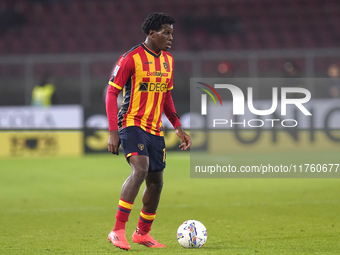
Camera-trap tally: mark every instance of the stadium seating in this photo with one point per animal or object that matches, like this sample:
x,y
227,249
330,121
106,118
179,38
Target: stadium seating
x,y
100,26
96,26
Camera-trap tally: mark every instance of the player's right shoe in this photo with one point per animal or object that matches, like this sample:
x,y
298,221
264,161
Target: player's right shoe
x,y
118,239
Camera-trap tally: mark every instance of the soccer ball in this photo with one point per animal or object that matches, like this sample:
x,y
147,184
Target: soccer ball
x,y
192,234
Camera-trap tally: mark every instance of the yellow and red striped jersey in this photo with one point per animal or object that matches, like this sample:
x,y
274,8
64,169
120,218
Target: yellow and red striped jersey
x,y
146,78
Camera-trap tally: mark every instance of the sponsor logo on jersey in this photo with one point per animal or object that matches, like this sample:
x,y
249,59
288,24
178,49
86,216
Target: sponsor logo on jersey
x,y
153,87
157,73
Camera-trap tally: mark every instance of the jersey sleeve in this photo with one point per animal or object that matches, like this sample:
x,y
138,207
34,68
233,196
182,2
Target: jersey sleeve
x,y
171,84
123,70
169,110
111,107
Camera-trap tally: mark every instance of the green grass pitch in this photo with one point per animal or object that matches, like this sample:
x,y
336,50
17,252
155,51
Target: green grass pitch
x,y
68,206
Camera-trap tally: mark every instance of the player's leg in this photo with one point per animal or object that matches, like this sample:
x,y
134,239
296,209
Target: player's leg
x,y
139,171
152,193
130,188
151,196
139,162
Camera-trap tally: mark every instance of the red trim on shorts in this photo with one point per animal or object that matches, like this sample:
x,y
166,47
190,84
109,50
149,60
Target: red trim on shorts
x,y
131,154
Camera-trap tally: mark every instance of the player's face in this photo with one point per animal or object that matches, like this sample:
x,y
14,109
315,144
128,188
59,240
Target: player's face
x,y
163,38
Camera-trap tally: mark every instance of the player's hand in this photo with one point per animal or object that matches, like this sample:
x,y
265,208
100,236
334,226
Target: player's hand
x,y
185,138
113,142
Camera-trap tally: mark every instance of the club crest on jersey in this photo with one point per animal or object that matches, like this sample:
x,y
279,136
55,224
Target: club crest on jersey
x,y
165,65
141,146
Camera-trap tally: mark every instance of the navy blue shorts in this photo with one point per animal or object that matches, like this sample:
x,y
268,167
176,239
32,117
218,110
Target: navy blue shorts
x,y
136,141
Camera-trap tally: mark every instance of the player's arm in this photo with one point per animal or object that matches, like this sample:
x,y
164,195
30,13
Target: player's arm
x,y
170,113
121,73
111,111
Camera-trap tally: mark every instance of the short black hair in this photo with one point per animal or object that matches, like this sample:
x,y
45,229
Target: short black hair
x,y
155,21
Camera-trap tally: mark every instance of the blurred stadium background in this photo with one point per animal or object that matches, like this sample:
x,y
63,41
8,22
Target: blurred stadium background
x,y
67,204
77,42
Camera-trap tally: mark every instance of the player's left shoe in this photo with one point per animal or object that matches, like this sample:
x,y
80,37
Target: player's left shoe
x,y
146,240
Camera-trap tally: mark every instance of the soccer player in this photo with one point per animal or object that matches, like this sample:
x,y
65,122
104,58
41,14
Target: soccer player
x,y
145,74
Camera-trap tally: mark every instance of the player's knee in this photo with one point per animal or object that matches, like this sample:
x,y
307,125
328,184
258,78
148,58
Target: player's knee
x,y
140,173
156,186
140,167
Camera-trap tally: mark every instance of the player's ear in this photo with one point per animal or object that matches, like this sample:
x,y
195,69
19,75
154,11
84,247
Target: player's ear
x,y
152,33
